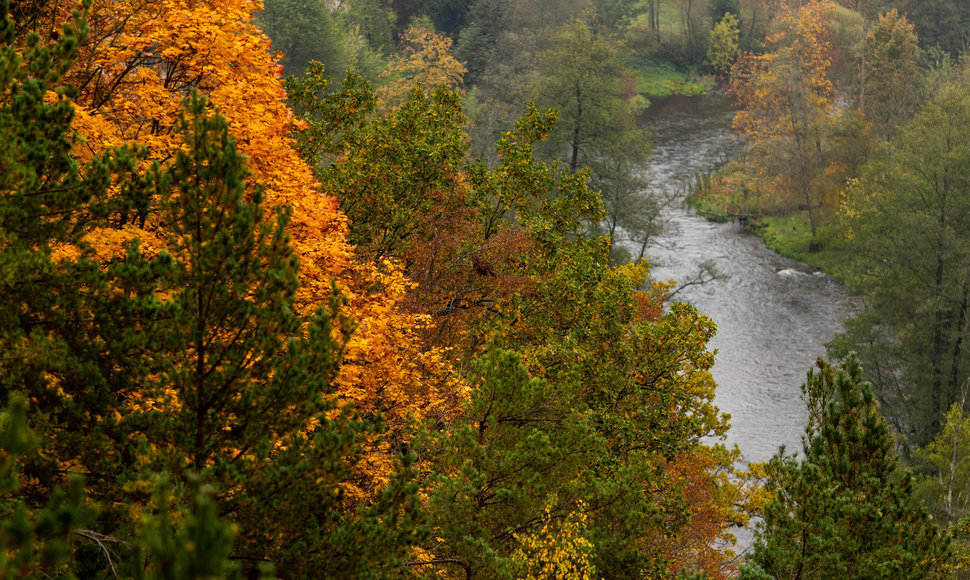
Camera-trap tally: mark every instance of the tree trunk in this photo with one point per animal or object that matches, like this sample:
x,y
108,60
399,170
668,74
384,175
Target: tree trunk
x,y
577,134
958,341
800,135
939,314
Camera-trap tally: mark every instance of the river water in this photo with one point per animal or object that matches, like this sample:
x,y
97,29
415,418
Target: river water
x,y
773,315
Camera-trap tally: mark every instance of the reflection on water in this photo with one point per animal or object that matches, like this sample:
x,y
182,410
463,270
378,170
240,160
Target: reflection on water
x,y
773,315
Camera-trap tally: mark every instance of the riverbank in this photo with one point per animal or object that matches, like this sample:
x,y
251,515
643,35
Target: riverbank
x,y
773,316
791,236
725,194
658,78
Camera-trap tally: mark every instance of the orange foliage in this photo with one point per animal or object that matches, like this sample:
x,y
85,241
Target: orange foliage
x,y
788,102
715,497
770,86
134,73
142,60
426,64
466,279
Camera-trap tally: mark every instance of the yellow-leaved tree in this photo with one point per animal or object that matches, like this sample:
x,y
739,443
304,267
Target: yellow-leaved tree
x,y
426,63
134,73
787,102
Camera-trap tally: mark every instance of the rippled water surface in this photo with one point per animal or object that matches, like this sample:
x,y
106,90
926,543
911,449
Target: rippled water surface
x,y
773,315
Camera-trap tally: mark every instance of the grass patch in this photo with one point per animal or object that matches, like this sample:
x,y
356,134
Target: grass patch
x,y
660,79
655,75
791,236
716,208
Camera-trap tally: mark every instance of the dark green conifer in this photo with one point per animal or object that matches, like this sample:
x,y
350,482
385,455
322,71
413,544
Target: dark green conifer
x,y
843,509
35,540
240,381
190,366
57,327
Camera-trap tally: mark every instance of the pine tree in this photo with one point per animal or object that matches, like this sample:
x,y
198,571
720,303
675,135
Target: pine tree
x,y
34,541
844,510
240,393
183,360
56,343
60,330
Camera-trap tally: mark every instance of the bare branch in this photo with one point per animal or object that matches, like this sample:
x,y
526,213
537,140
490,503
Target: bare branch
x,y
103,542
706,272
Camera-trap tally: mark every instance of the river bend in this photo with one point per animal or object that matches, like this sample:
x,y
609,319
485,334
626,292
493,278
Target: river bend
x,y
773,315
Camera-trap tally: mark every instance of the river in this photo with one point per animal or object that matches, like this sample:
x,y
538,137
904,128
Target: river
x,y
773,315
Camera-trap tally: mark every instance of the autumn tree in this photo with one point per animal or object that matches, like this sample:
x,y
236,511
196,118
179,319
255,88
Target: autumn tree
x,y
214,48
841,509
498,263
64,353
134,89
120,295
425,63
244,378
788,103
90,370
715,491
66,358
723,46
557,550
571,430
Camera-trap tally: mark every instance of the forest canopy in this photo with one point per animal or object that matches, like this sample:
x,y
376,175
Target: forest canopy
x,y
357,289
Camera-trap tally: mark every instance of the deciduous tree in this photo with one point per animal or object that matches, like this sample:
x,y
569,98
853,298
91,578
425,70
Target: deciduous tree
x,y
891,80
788,103
242,377
905,214
943,475
135,72
426,63
723,47
130,280
580,77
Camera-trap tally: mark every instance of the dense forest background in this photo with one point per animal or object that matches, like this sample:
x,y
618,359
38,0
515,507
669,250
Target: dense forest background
x,y
354,289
